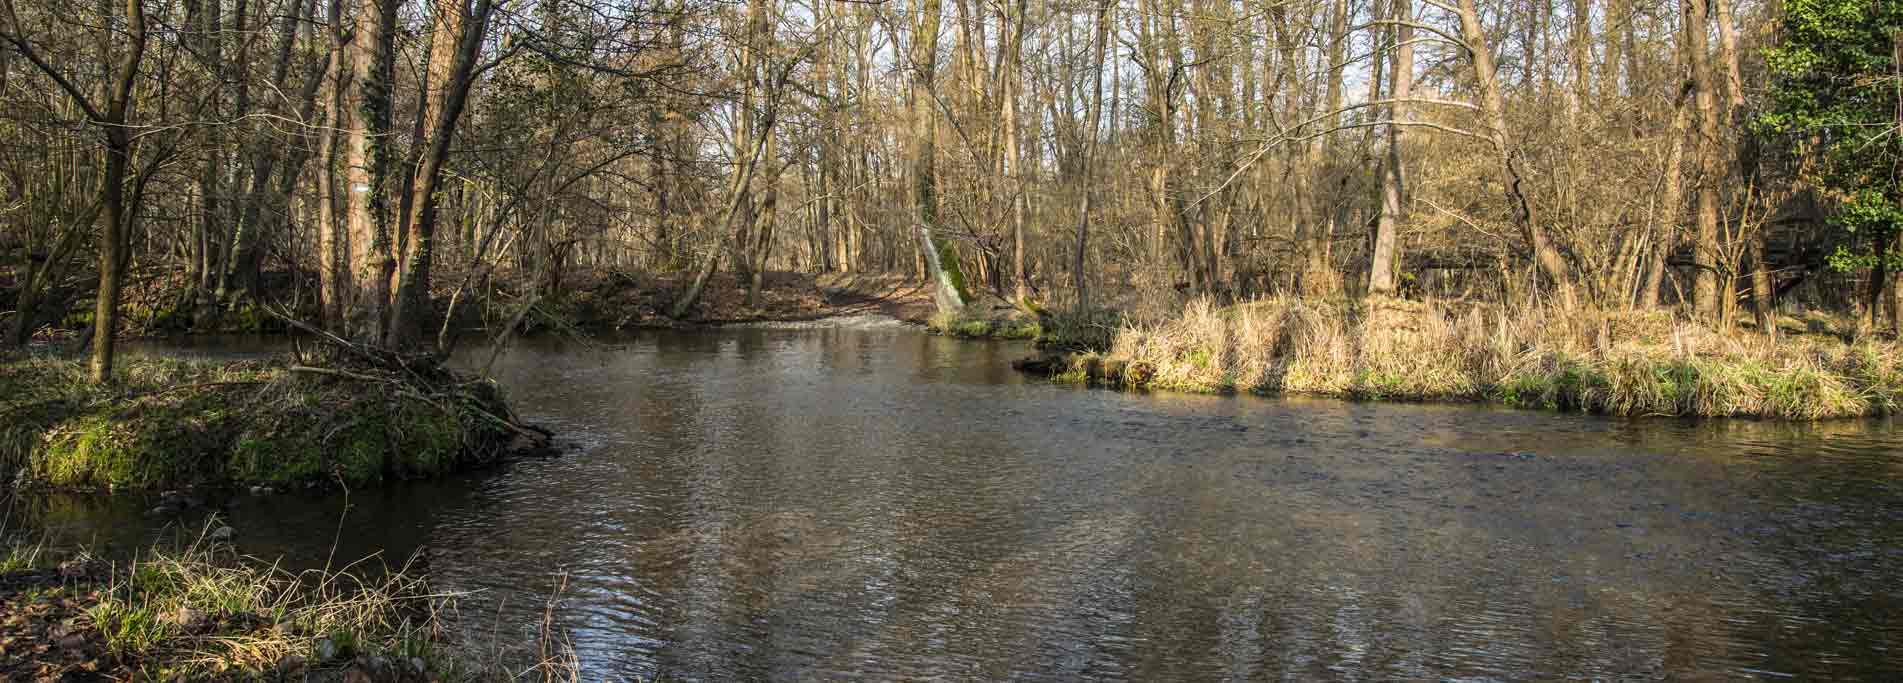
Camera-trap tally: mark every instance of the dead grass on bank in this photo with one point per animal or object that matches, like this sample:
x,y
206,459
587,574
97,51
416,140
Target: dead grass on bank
x,y
200,611
1612,362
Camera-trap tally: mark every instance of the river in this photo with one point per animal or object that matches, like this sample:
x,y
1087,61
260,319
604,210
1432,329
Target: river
x,y
870,502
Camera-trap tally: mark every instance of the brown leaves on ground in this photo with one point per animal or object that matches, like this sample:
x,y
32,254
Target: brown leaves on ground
x,y
46,634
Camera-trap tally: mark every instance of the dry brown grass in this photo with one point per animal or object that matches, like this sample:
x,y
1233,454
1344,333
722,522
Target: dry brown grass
x,y
1614,362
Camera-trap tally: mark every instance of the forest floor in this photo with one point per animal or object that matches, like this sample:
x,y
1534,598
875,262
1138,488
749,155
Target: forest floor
x,y
586,301
595,301
1630,363
204,613
618,301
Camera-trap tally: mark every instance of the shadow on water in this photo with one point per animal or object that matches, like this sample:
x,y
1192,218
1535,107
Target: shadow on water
x,y
872,502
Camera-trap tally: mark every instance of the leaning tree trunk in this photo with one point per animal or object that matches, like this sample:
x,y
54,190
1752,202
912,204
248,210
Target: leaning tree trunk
x,y
452,76
112,241
1494,105
1665,238
940,260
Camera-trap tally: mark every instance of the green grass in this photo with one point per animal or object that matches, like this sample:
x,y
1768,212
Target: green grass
x,y
21,556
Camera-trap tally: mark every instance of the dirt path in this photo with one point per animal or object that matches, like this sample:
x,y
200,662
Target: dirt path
x,y
887,295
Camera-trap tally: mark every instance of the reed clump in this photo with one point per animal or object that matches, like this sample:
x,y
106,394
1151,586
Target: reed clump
x,y
1628,363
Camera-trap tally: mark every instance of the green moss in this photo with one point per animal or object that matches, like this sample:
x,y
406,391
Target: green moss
x,y
983,328
172,424
948,263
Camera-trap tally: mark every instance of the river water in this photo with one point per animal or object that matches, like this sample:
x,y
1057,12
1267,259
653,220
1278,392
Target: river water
x,y
870,502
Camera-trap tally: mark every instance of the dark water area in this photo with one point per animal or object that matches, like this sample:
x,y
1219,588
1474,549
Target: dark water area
x,y
869,502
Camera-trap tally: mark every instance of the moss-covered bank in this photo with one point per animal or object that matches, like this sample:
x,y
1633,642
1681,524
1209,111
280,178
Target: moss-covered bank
x,y
169,423
1617,363
993,318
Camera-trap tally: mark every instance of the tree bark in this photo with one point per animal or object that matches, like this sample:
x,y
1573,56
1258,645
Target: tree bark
x,y
1013,89
1665,237
1087,198
367,172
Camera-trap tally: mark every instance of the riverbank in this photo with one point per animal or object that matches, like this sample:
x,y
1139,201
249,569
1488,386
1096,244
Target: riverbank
x,y
202,612
1614,363
325,417
588,301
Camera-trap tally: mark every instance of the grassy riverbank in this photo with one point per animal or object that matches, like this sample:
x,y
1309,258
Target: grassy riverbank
x,y
170,423
1618,363
201,612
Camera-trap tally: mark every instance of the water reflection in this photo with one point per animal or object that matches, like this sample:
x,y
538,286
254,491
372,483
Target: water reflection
x,y
877,503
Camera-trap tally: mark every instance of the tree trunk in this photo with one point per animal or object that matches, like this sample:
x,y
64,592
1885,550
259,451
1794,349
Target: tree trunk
x,y
451,78
1087,198
940,260
1706,293
368,164
112,242
26,305
1013,89
1393,186
1666,233
333,242
1494,105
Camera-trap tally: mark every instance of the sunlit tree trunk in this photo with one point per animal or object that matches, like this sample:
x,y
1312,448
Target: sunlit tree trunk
x,y
1087,195
1665,237
367,175
333,241
1705,288
1012,93
1382,263
452,67
941,262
